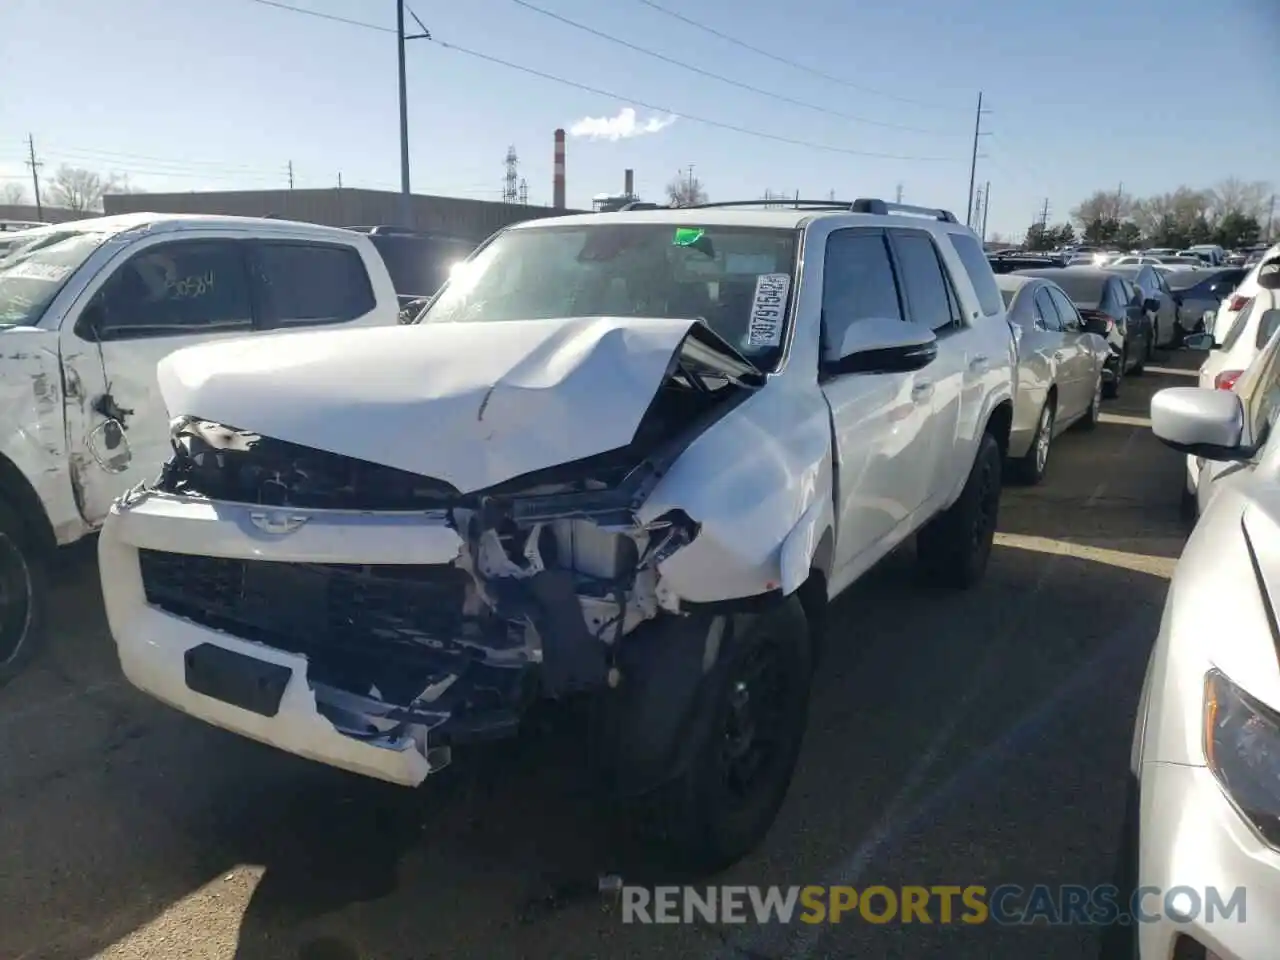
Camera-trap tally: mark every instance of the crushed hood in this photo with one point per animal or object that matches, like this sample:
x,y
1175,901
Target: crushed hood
x,y
472,404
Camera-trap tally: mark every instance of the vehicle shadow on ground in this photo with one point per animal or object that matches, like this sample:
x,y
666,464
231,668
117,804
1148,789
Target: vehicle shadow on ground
x,y
512,848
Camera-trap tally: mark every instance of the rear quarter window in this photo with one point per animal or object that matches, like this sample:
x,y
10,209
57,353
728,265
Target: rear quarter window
x,y
304,283
969,250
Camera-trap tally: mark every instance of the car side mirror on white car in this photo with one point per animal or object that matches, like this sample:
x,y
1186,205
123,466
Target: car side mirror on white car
x,y
1200,422
882,345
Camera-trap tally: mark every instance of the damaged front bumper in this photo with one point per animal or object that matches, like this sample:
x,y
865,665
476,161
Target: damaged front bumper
x,y
372,642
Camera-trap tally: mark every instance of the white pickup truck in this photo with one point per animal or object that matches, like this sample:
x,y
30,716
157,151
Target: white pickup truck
x,y
86,310
629,456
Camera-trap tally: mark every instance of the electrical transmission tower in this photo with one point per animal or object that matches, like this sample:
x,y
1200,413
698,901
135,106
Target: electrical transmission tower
x,y
511,183
524,192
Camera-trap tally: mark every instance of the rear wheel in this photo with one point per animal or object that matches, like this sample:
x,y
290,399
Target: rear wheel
x,y
953,548
23,593
1030,468
1112,389
1094,415
1143,356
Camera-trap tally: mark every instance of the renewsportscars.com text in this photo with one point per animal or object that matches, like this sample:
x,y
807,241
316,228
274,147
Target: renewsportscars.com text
x,y
940,904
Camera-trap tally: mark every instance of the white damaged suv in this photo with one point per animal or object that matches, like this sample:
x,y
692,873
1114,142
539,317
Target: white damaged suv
x,y
629,457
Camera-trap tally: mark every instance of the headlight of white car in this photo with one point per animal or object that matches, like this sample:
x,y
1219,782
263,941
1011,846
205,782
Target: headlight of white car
x,y
1242,747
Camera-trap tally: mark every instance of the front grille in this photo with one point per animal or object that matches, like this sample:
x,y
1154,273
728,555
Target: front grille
x,y
358,625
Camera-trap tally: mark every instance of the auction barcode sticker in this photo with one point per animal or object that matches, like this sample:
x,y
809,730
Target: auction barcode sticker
x,y
765,327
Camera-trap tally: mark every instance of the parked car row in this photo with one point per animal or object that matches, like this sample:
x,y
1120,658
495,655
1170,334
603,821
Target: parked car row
x,y
1204,798
627,458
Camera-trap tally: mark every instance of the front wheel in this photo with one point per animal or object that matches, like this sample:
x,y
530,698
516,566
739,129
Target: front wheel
x,y
953,548
744,741
1112,389
23,591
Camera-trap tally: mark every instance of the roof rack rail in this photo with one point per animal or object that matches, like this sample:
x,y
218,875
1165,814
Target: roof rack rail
x,y
882,208
779,203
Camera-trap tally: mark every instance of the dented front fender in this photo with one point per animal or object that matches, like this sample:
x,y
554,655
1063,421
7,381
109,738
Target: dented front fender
x,y
747,482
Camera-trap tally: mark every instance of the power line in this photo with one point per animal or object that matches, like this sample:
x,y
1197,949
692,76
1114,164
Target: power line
x,y
600,92
760,91
783,60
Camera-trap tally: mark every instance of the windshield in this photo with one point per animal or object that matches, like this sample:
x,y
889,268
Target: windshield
x,y
1084,291
736,279
35,268
419,266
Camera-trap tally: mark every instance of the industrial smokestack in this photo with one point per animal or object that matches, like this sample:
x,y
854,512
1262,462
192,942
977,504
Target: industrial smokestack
x,y
628,183
557,182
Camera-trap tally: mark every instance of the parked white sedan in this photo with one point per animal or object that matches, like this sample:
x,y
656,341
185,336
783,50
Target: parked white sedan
x,y
1059,369
1204,807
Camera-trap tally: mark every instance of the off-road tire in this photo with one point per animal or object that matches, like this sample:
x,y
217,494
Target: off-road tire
x,y
1093,416
692,817
1030,469
952,549
24,591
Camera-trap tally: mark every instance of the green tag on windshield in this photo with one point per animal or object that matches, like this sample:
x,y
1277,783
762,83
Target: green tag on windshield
x,y
688,236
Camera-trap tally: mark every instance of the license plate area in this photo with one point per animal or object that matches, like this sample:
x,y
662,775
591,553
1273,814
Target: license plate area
x,y
242,681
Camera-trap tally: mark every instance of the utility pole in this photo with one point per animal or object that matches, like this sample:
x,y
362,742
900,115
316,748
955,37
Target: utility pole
x,y
35,175
976,214
973,163
290,174
898,194
986,208
339,179
406,204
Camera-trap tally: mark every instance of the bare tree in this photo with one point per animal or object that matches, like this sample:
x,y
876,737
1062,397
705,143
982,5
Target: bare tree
x,y
1106,206
686,191
13,194
1233,195
74,188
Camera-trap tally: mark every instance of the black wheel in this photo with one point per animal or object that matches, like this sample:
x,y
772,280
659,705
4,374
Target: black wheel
x,y
23,594
1030,468
1141,365
744,740
953,548
1094,416
1112,389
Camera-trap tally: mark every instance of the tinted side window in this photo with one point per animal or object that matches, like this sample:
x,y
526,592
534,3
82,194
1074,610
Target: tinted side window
x,y
1237,328
927,288
857,282
171,289
1046,311
309,283
1066,309
976,266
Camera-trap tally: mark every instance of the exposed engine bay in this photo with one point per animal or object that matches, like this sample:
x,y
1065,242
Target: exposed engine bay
x,y
555,568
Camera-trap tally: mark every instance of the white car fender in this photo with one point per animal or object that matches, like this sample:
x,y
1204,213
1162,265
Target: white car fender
x,y
32,428
798,550
749,482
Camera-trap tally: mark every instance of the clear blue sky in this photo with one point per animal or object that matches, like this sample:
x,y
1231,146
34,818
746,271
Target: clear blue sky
x,y
1084,94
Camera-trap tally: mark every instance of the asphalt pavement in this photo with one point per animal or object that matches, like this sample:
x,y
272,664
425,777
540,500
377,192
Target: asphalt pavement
x,y
955,738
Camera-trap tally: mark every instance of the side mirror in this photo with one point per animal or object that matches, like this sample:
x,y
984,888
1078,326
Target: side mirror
x,y
1151,305
883,345
1200,422
1268,324
1200,341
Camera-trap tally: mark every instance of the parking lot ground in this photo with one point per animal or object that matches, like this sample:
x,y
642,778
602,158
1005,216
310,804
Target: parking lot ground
x,y
955,738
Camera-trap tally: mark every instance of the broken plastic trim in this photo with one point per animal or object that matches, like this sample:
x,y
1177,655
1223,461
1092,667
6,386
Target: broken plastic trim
x,y
555,622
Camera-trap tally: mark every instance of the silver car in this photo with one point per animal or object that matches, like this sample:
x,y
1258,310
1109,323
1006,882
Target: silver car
x,y
1060,370
1205,806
